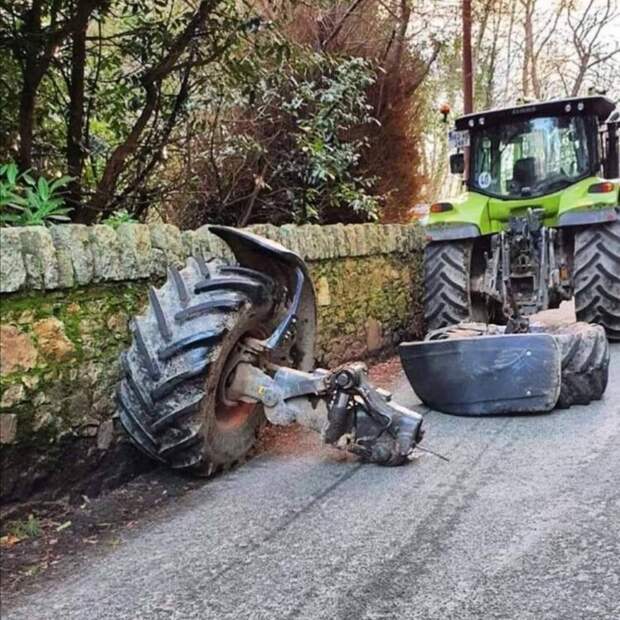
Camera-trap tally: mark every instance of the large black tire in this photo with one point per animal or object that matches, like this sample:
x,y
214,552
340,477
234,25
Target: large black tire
x,y
585,363
447,282
449,267
584,349
597,276
170,397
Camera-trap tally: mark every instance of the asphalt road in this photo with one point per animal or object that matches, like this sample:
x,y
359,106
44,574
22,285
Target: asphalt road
x,y
523,522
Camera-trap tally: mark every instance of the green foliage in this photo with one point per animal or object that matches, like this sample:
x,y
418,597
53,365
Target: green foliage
x,y
25,201
323,112
121,216
25,528
10,85
286,141
214,110
9,188
142,65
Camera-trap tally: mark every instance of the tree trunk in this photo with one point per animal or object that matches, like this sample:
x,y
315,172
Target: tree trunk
x,y
581,74
75,153
401,35
107,183
468,86
75,130
27,102
490,68
151,83
528,50
34,51
509,52
28,57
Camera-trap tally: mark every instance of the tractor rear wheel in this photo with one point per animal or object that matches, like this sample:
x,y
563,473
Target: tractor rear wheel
x,y
171,398
597,276
446,283
449,267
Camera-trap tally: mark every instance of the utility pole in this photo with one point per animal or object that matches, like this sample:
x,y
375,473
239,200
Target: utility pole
x,y
468,98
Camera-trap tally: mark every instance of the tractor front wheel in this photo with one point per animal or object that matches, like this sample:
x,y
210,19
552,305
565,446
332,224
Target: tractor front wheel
x,y
172,398
585,362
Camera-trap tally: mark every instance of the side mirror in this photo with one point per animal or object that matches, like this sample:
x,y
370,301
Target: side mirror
x,y
611,161
457,163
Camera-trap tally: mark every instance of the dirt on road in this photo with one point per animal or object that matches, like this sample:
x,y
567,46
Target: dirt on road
x,y
38,538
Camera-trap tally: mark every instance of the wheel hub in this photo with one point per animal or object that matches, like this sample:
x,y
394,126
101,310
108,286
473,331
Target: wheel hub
x,y
231,412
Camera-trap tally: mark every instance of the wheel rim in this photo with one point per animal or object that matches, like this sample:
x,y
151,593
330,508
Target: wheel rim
x,y
230,415
234,416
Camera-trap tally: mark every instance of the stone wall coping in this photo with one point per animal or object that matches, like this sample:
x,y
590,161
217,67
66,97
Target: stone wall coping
x,y
74,255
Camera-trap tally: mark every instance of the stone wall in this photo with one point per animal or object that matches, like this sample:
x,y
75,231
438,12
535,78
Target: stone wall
x,y
67,293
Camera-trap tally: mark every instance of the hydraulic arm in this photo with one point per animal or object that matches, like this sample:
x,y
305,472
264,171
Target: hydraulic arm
x,y
350,413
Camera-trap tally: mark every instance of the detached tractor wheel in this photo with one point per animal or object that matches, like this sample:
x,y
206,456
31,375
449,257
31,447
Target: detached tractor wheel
x,y
597,276
171,398
449,267
585,363
584,350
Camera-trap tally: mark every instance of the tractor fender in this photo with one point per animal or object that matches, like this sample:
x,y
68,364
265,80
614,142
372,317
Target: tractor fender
x,y
579,217
289,269
485,375
451,231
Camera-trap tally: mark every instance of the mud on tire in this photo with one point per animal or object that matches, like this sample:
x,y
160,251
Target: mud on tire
x,y
597,276
169,398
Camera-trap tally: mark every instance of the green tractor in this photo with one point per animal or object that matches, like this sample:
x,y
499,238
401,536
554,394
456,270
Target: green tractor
x,y
538,222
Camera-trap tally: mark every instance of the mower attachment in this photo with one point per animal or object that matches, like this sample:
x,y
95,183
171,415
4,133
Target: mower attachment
x,y
490,375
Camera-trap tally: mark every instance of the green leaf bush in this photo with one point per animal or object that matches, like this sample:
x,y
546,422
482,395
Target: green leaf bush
x,y
25,201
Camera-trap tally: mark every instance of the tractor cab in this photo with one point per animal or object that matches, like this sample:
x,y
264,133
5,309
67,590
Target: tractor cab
x,y
559,158
537,149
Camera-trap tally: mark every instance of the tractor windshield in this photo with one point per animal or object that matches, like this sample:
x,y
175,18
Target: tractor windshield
x,y
530,157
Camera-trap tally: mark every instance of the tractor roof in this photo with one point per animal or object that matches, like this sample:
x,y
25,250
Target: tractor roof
x,y
576,106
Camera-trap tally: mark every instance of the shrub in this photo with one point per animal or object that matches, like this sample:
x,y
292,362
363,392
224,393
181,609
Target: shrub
x,y
121,216
25,201
285,145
